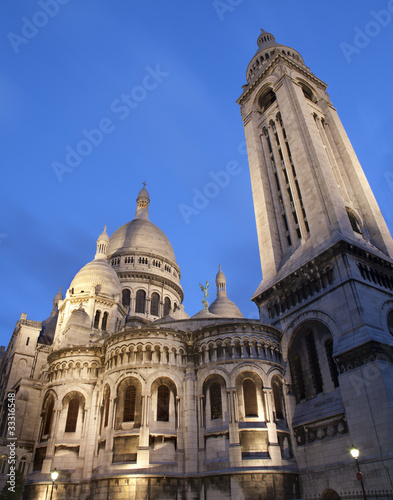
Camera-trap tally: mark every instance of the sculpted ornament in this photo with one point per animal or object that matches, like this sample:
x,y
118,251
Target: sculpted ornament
x,y
205,294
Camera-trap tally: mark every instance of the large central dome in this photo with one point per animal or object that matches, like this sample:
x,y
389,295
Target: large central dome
x,y
140,235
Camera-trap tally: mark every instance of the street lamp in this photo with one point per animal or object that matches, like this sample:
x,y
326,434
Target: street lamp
x,y
54,475
355,454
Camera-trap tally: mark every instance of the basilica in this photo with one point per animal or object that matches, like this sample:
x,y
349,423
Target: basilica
x,y
124,395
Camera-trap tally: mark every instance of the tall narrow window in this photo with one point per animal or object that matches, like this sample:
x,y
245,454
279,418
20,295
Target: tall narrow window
x,y
140,302
126,297
390,322
163,403
215,401
167,306
314,363
154,303
250,398
3,464
129,404
106,407
97,319
104,321
297,378
355,224
48,416
332,364
22,465
278,399
72,415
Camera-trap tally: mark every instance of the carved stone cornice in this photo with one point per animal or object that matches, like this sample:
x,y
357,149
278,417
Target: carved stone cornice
x,y
362,355
309,433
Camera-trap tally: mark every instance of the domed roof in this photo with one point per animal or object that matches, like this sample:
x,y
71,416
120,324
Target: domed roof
x,y
267,46
97,273
223,306
140,235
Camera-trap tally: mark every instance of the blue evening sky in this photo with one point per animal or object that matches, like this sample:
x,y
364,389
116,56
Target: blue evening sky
x,y
183,63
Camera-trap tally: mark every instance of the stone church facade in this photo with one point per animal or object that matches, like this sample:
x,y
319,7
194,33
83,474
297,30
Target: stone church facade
x,y
128,397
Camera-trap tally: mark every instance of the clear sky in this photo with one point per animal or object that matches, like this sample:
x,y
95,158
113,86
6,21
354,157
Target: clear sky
x,y
65,72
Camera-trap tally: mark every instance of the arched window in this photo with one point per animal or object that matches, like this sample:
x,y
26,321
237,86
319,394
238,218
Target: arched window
x,y
250,398
355,224
140,302
22,465
154,303
267,99
107,402
390,321
72,415
49,405
307,92
104,321
129,404
3,464
97,319
332,364
163,403
215,401
126,297
278,398
167,306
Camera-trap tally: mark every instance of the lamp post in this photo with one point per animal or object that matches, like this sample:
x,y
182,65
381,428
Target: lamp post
x,y
54,475
355,454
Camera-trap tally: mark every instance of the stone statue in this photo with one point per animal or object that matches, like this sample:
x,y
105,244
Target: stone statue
x,y
205,294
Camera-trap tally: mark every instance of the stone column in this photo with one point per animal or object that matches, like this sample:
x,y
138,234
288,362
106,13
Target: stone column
x,y
189,415
235,452
144,433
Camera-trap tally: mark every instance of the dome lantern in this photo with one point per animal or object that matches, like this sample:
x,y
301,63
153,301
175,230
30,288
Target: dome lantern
x,y
142,204
102,245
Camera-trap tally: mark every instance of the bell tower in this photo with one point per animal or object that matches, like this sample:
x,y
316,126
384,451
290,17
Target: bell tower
x,y
326,257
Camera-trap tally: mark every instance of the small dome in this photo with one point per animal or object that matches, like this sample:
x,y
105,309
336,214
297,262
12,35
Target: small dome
x,y
79,318
143,193
267,49
48,329
58,296
225,308
222,306
97,276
